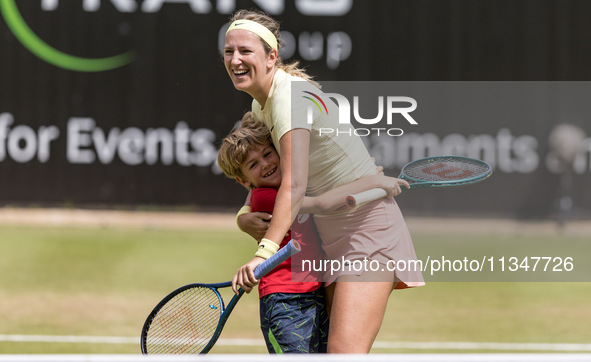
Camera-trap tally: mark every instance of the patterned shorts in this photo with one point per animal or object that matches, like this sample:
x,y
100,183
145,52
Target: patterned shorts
x,y
295,322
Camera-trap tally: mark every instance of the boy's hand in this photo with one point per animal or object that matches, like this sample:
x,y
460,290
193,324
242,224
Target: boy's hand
x,y
255,224
244,277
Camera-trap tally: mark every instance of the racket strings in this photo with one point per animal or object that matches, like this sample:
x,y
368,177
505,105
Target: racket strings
x,y
186,323
446,169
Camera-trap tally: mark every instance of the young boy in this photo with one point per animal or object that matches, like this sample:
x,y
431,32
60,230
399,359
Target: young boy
x,y
293,315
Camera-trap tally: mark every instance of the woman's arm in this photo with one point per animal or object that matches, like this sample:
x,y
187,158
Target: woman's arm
x,y
334,200
294,179
294,147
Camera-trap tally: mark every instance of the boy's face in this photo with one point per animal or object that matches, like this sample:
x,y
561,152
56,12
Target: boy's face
x,y
261,168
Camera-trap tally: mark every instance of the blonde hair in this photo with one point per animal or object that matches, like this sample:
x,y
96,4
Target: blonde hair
x,y
264,19
236,146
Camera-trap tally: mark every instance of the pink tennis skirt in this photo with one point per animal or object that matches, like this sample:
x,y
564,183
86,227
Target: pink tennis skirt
x,y
373,240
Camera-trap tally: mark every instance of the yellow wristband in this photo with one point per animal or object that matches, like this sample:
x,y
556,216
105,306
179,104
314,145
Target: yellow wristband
x,y
242,211
266,249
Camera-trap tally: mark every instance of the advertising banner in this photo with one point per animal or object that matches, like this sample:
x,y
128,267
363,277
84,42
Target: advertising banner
x,y
125,102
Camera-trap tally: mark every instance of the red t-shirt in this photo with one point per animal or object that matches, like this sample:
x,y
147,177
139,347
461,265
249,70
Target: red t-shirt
x,y
303,230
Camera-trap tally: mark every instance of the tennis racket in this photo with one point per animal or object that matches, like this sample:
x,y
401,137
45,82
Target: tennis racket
x,y
190,319
439,171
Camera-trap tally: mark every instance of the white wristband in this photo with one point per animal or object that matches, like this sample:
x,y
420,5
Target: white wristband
x,y
242,211
266,249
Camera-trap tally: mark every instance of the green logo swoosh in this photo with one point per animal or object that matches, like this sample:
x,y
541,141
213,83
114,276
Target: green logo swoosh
x,y
35,45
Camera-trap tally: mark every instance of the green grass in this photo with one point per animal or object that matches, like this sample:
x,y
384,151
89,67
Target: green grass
x,y
104,282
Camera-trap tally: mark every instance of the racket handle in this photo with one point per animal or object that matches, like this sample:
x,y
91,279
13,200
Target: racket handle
x,y
365,196
293,247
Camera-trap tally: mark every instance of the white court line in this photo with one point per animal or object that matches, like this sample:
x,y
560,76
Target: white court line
x,y
67,339
491,346
429,357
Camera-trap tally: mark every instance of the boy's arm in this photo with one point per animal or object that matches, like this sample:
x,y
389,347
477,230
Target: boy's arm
x,y
334,200
254,224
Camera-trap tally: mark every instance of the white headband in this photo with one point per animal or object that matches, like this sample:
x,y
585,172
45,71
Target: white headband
x,y
256,28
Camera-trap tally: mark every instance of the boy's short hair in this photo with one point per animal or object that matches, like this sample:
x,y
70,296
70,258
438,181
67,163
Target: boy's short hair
x,y
236,145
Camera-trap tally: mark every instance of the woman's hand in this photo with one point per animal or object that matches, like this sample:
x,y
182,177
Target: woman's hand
x,y
254,224
379,169
391,185
244,277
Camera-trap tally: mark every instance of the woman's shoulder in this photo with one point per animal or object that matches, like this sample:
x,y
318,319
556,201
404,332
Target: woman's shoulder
x,y
282,78
280,90
284,84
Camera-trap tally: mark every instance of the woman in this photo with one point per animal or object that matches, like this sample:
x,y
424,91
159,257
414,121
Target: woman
x,y
312,163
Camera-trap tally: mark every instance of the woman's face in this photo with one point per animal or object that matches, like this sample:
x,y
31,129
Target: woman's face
x,y
246,61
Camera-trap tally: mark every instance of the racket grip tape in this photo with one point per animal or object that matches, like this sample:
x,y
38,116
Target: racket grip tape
x,y
365,196
293,247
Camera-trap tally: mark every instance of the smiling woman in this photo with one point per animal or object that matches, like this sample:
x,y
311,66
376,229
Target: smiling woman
x,y
41,49
313,164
